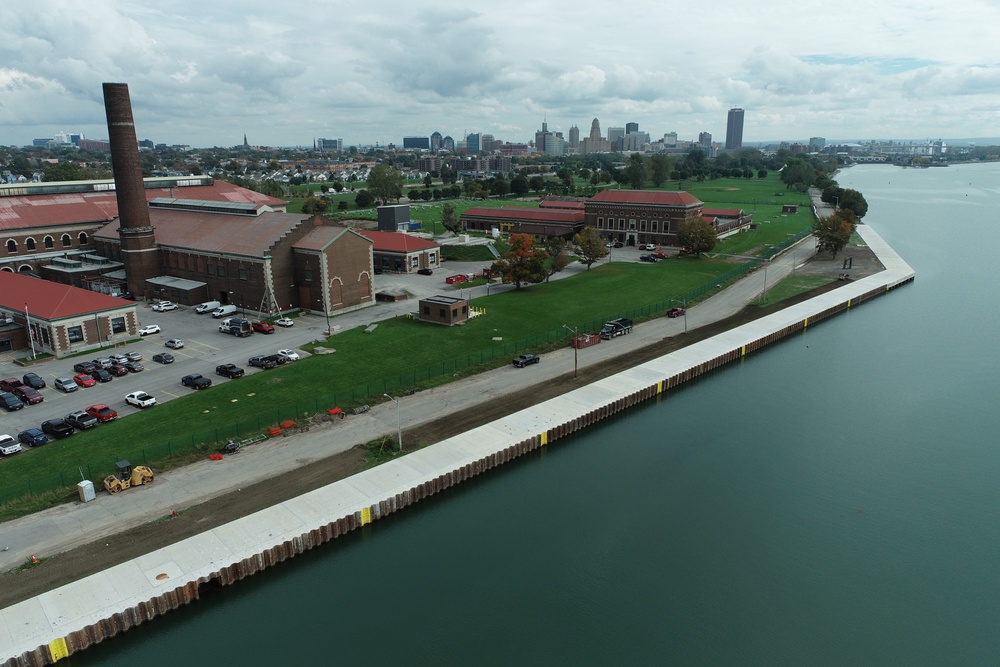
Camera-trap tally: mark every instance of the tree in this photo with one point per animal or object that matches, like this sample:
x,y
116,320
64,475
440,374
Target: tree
x,y
519,185
855,202
499,186
363,199
635,171
314,204
428,181
64,171
450,221
385,183
522,263
342,205
590,246
696,233
834,232
660,171
558,257
537,183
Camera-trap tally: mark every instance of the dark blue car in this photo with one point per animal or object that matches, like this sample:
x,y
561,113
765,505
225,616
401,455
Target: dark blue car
x,y
33,437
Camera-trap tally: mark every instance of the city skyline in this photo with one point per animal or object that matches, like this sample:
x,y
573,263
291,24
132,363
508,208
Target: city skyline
x,y
203,75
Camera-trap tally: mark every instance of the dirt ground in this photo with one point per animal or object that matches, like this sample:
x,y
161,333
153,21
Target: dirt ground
x,y
138,540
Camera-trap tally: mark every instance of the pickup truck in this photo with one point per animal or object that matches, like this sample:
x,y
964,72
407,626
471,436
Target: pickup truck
x,y
523,360
196,381
229,371
9,445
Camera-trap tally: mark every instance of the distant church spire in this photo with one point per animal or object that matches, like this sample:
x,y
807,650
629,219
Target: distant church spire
x,y
246,144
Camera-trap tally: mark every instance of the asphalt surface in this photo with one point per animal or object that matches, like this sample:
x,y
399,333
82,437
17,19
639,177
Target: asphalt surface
x,y
61,528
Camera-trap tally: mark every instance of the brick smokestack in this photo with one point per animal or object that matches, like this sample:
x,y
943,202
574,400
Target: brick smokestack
x,y
138,244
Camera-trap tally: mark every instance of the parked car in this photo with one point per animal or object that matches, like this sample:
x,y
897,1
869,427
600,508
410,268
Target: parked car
x,y
647,258
149,329
174,343
84,380
133,356
196,381
134,367
28,395
140,399
277,359
8,445
118,370
617,244
10,402
225,311
32,437
84,367
659,254
290,355
229,371
261,362
33,380
206,307
163,358
102,375
81,420
675,312
454,280
118,358
10,384
164,306
522,360
65,384
284,321
425,272
263,327
648,246
57,428
102,412
104,362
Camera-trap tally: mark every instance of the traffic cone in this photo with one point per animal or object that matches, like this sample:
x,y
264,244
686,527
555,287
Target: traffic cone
x,y
34,560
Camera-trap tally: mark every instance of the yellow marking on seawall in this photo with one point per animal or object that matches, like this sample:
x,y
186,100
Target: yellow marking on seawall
x,y
58,649
366,516
545,438
743,350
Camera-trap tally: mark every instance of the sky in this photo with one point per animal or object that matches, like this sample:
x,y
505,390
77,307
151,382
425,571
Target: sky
x,y
205,73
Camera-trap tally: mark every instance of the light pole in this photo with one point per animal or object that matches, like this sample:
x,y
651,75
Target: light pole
x,y
576,350
399,428
684,307
327,313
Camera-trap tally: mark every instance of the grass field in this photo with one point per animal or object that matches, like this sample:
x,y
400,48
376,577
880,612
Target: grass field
x,y
401,353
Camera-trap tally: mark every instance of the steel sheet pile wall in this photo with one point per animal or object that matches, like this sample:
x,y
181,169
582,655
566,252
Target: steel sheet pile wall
x,y
393,486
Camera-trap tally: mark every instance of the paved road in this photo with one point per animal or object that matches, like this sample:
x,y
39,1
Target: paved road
x,y
62,528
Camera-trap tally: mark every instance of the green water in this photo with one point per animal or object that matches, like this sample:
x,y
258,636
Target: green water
x,y
831,500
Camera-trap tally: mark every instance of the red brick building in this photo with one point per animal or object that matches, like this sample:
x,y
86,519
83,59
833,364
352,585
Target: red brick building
x,y
635,217
539,223
405,253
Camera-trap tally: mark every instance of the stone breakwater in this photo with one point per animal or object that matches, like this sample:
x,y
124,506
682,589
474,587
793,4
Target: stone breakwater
x,y
66,620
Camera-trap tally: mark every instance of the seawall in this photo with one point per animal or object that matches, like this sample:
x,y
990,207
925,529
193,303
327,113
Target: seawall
x,y
66,620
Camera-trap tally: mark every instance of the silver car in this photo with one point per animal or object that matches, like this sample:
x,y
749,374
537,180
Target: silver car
x,y
66,384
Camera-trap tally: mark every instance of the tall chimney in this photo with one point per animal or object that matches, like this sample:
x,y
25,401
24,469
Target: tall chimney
x,y
138,244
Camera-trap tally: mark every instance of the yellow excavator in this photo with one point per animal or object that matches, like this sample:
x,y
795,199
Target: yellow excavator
x,y
127,476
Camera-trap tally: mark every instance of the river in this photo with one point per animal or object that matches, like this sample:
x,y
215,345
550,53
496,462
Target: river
x,y
830,500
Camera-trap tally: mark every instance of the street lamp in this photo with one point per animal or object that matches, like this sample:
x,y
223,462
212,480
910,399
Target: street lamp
x,y
576,350
327,313
684,307
399,428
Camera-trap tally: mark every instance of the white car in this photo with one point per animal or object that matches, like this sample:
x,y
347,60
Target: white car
x,y
164,306
284,322
9,445
648,246
119,358
140,399
174,343
290,355
133,356
149,329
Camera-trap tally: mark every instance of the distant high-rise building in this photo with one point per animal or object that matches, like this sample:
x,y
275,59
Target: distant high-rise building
x,y
448,144
472,142
595,130
574,137
615,135
595,143
734,129
488,143
631,128
555,144
705,139
436,141
817,143
540,138
416,143
332,145
670,139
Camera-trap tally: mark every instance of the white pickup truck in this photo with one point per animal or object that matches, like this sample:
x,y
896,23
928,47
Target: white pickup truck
x,y
9,445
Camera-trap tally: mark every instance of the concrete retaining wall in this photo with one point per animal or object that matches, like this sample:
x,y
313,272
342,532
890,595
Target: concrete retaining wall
x,y
59,623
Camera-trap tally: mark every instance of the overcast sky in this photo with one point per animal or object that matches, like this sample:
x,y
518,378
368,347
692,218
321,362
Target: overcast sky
x,y
203,73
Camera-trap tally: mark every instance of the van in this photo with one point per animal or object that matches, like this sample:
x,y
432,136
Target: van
x,y
207,307
224,311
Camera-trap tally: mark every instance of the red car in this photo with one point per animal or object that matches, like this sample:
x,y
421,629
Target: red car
x,y
102,412
659,254
28,395
675,312
84,380
263,327
118,370
10,384
452,280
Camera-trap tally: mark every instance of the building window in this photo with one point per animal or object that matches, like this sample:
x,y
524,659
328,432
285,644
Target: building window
x,y
666,226
431,258
427,310
307,275
210,269
465,310
631,224
66,241
49,242
45,337
600,223
118,325
621,223
244,274
642,225
653,226
442,313
83,238
414,262
29,243
222,271
74,334
11,246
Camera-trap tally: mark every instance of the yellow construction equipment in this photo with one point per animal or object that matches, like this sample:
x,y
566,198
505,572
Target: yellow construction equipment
x,y
127,476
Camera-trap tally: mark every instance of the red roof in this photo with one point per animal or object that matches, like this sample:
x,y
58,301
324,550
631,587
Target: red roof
x,y
654,197
321,237
722,212
29,211
397,241
559,203
523,213
52,301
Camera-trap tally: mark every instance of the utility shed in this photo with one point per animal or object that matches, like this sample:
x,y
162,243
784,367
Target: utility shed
x,y
444,310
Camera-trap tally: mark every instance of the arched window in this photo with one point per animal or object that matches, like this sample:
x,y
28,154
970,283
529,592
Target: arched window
x,y
11,246
66,240
8,269
24,268
83,238
29,243
49,242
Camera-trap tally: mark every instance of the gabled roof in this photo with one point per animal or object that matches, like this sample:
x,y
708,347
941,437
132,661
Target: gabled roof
x,y
52,301
321,237
523,213
214,232
652,197
397,242
722,212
